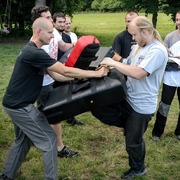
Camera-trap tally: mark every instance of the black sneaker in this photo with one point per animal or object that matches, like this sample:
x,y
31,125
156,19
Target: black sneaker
x,y
66,152
132,173
4,177
73,121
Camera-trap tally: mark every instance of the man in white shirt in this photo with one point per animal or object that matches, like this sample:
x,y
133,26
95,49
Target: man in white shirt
x,y
171,85
67,29
52,49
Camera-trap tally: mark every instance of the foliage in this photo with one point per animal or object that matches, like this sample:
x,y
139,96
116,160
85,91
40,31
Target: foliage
x,y
67,6
19,18
171,7
106,5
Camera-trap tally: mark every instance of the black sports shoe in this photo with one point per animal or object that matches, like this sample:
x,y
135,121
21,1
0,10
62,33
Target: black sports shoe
x,y
132,173
73,121
4,177
66,152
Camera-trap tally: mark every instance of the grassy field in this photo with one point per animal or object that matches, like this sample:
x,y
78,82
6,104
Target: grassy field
x,y
106,26
102,148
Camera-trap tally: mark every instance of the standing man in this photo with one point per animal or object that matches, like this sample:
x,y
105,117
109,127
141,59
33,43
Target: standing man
x,y
52,49
144,70
59,23
171,84
123,41
30,125
67,29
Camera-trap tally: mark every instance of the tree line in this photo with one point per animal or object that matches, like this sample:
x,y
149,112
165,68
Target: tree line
x,y
16,13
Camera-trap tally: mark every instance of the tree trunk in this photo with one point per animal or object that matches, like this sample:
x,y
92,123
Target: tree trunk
x,y
154,19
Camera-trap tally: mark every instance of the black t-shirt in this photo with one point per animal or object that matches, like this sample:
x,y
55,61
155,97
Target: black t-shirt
x,y
66,38
122,43
27,77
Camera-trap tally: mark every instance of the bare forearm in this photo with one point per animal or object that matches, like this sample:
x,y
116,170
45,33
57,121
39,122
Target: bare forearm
x,y
76,72
132,71
128,70
64,46
59,77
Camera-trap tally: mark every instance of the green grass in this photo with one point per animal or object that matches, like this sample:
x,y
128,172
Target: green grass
x,y
102,148
106,25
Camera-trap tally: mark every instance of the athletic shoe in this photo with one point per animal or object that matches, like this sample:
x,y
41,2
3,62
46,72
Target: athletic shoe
x,y
133,173
178,137
4,177
155,138
66,152
73,121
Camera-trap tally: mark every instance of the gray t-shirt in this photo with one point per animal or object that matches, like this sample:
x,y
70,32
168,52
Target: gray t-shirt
x,y
171,78
142,94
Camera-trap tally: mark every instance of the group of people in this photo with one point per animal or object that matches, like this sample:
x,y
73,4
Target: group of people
x,y
122,46
143,64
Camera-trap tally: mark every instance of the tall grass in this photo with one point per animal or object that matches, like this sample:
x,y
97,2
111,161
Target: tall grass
x,y
102,148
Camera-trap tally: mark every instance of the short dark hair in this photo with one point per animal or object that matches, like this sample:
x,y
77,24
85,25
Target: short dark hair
x,y
58,14
37,10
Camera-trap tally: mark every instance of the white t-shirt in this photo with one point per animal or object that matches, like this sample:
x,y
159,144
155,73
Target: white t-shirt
x,y
73,37
52,50
172,78
142,94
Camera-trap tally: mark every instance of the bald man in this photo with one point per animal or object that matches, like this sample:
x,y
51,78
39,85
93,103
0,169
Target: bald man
x,y
30,125
123,41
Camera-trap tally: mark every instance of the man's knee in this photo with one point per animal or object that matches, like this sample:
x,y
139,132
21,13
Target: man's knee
x,y
163,109
107,119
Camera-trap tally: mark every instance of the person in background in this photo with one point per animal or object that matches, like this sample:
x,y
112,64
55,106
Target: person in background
x,y
59,23
171,84
67,30
5,30
30,125
144,69
123,41
52,49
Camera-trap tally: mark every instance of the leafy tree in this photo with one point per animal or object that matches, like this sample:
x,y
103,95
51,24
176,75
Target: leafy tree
x,y
150,7
67,6
170,7
87,5
16,13
106,5
153,7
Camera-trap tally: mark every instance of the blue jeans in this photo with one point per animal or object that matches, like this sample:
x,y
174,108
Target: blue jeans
x,y
135,125
31,128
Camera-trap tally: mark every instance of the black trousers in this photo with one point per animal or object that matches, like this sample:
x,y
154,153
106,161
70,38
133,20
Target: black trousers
x,y
134,124
167,96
